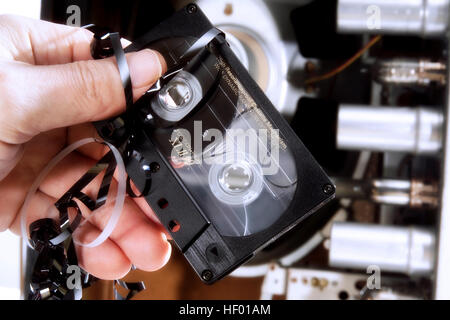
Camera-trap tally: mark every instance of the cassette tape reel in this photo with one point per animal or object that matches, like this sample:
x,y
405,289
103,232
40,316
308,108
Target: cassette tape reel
x,y
231,174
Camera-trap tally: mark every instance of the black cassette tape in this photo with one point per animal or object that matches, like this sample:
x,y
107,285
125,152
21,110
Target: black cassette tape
x,y
228,174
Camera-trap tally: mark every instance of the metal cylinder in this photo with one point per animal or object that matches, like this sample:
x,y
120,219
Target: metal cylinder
x,y
392,249
427,18
414,193
398,129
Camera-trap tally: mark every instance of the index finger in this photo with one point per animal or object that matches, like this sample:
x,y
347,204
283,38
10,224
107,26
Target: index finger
x,y
43,43
40,42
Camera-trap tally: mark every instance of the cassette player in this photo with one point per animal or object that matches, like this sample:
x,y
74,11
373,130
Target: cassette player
x,y
228,175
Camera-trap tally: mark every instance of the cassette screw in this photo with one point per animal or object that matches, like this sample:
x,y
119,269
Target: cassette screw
x,y
154,167
192,8
207,275
328,189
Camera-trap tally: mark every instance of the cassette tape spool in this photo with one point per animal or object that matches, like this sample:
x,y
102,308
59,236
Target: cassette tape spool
x,y
232,175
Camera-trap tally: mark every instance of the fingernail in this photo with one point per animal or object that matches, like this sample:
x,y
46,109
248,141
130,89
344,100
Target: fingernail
x,y
146,66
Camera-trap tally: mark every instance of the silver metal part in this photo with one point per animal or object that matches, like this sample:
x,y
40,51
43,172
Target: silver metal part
x,y
410,72
427,18
389,191
235,178
178,97
236,183
399,129
314,284
406,250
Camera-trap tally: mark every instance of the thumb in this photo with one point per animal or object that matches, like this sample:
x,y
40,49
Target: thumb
x,y
49,97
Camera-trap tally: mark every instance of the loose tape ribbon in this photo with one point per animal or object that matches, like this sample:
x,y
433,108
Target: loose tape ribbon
x,y
55,243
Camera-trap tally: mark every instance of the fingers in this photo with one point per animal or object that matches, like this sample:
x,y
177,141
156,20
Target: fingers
x,y
106,261
40,98
142,240
41,206
10,154
40,42
97,151
87,130
14,187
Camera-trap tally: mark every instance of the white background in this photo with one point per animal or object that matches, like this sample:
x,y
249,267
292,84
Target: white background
x,y
28,8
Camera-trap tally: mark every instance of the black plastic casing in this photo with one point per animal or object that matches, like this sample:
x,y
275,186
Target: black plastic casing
x,y
212,255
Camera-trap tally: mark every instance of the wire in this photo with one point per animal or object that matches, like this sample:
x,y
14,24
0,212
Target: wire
x,y
346,64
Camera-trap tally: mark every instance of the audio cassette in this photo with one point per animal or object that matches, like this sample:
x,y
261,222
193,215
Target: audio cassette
x,y
217,163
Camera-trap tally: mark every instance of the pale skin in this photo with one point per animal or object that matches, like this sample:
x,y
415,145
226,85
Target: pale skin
x,y
50,92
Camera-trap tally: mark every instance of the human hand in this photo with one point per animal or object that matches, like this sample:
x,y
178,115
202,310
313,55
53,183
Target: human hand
x,y
50,92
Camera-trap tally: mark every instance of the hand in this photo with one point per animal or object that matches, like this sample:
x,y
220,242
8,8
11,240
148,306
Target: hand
x,y
50,92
